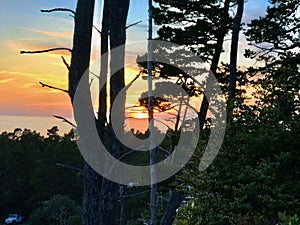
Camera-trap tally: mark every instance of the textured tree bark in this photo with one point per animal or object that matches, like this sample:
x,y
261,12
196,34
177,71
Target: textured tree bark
x,y
81,51
117,16
80,60
91,196
175,199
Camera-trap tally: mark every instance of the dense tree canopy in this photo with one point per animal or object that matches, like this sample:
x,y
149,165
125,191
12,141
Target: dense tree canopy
x,y
32,169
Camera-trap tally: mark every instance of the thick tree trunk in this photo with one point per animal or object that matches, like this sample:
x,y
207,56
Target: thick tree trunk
x,y
118,17
175,199
82,39
234,47
79,64
91,196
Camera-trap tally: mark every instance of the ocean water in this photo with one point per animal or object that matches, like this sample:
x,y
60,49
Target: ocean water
x,y
37,123
42,123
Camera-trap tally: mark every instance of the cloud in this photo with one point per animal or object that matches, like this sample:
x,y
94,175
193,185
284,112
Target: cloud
x,y
62,34
5,78
30,80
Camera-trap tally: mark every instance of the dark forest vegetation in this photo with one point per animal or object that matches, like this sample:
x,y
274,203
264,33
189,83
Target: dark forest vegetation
x,y
255,178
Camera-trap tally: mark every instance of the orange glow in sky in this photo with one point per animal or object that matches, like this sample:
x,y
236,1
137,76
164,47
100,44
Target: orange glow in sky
x,y
24,27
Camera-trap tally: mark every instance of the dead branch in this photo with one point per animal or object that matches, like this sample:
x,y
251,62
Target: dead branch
x,y
131,82
97,76
164,150
46,50
55,88
65,120
96,28
70,167
65,62
133,195
131,25
58,10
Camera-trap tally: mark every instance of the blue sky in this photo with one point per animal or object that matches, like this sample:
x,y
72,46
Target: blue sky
x,y
24,27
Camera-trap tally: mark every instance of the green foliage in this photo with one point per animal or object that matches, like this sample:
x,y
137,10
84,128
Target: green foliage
x,y
256,174
287,219
192,23
59,210
29,171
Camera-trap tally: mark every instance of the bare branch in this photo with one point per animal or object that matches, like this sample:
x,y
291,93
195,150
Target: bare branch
x,y
131,25
124,156
46,50
58,10
97,29
70,167
65,62
136,194
131,82
163,123
164,150
127,154
65,120
55,88
97,76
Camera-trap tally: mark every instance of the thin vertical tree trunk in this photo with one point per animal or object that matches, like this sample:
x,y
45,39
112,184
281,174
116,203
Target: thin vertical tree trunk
x,y
153,186
220,39
104,67
234,48
215,61
122,205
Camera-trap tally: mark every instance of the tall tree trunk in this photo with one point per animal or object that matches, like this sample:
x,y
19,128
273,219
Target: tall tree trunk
x,y
122,206
215,61
152,160
175,199
79,64
234,47
118,17
82,40
220,38
91,196
104,67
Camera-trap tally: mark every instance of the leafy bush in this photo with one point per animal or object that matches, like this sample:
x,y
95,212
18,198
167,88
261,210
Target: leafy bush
x,y
60,210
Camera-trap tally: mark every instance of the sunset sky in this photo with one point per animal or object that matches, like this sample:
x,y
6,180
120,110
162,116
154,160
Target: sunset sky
x,y
24,27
